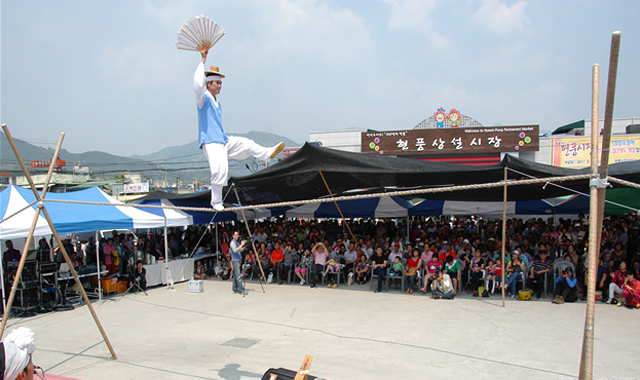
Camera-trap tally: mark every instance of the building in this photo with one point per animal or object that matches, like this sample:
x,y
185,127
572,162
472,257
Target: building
x,y
456,138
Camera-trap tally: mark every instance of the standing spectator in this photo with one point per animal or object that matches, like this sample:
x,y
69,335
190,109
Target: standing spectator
x,y
320,259
111,259
236,249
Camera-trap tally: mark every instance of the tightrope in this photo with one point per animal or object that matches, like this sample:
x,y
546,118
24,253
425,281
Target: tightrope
x,y
346,198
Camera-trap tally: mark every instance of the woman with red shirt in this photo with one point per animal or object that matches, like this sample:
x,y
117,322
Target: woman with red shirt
x,y
413,265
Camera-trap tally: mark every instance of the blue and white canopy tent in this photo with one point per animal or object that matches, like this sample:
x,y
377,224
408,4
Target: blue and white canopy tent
x,y
17,215
70,217
382,207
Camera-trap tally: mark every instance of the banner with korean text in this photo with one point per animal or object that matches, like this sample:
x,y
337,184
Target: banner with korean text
x,y
575,152
452,140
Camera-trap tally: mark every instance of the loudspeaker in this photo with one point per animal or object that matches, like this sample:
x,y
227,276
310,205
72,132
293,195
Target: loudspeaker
x,y
284,374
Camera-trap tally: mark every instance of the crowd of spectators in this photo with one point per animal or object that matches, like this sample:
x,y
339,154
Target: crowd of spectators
x,y
467,250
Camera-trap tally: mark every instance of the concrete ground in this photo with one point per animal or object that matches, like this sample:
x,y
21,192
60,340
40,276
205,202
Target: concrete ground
x,y
351,333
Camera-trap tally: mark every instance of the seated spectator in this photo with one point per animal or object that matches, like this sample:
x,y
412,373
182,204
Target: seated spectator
x,y
351,257
303,266
442,287
477,265
380,267
430,270
565,287
631,291
411,273
362,270
453,269
227,269
198,271
277,260
515,269
602,279
617,280
289,255
540,268
332,268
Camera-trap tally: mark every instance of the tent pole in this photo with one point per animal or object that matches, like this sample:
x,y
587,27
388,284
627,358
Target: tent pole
x,y
253,244
55,233
504,231
338,207
4,303
586,360
98,266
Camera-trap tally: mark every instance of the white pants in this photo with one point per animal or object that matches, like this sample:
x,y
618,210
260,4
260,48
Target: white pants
x,y
237,148
613,290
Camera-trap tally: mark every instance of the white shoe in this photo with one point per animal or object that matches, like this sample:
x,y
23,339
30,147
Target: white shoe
x,y
302,282
274,150
218,207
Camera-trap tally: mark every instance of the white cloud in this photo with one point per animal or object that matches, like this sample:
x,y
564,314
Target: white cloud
x,y
414,15
501,18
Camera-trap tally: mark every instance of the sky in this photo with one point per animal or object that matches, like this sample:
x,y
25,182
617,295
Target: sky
x,y
108,74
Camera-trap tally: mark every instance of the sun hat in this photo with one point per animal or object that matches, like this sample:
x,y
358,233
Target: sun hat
x,y
214,70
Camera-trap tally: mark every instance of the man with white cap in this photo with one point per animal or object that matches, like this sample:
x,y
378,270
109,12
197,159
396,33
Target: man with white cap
x,y
217,146
15,355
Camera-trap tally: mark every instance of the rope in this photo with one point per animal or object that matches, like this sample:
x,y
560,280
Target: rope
x,y
444,189
623,182
19,211
581,193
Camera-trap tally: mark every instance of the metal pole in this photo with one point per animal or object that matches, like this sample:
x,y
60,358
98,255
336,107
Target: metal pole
x,y
586,360
98,266
55,233
253,244
504,231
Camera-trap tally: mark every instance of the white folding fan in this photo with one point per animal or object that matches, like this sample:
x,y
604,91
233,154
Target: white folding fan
x,y
198,33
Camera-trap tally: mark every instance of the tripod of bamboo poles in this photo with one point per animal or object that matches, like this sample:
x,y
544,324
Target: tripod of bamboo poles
x,y
598,194
43,209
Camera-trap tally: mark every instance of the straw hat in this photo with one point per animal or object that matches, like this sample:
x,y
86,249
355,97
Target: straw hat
x,y
214,70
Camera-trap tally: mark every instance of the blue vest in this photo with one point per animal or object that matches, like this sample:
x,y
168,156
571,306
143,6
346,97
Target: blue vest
x,y
210,123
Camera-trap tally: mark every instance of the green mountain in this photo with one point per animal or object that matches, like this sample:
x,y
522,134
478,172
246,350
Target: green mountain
x,y
185,161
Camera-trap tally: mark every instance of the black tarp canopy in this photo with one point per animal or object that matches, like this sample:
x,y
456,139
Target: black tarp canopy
x,y
298,177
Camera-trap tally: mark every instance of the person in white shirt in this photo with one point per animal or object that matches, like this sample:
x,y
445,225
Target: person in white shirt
x,y
212,139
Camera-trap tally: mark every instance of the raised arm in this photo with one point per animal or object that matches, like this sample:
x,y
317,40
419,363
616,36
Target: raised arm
x,y
199,80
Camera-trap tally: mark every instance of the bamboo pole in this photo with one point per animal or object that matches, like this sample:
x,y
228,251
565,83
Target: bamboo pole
x,y
23,258
586,360
43,209
504,232
594,247
338,207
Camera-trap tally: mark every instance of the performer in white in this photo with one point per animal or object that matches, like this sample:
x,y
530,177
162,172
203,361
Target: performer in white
x,y
217,146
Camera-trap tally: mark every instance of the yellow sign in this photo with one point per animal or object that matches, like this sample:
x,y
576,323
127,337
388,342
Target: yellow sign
x,y
575,152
